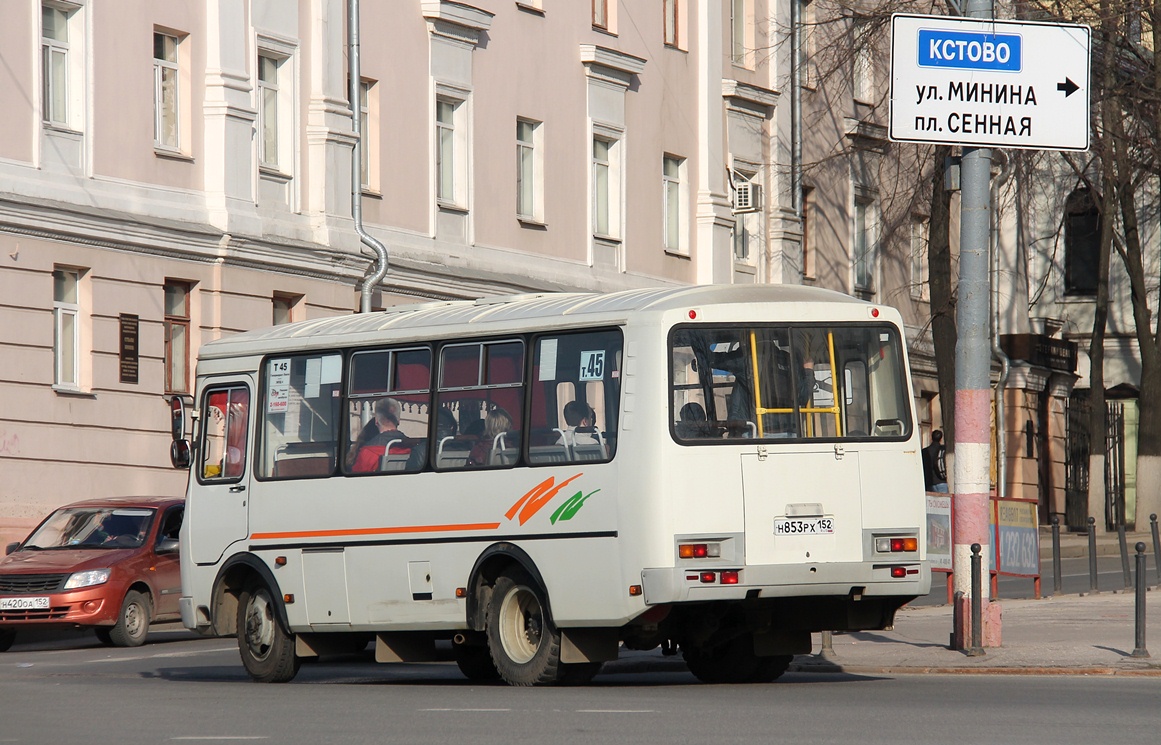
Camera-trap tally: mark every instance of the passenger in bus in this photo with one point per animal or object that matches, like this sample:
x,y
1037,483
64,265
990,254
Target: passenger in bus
x,y
386,431
445,426
496,423
692,422
581,421
776,394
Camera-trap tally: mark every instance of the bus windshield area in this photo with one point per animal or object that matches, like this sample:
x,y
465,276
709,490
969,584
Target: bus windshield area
x,y
788,382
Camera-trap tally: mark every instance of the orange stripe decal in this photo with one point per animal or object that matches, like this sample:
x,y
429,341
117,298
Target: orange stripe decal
x,y
374,531
537,497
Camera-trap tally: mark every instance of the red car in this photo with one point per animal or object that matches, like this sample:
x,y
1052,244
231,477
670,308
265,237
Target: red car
x,y
109,564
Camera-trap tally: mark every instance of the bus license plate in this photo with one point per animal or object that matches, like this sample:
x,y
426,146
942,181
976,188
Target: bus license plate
x,y
800,526
23,603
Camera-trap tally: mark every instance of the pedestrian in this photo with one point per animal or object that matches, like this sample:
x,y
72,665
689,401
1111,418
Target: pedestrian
x,y
934,464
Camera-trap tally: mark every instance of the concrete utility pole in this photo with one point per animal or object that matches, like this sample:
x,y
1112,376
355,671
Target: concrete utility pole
x,y
973,393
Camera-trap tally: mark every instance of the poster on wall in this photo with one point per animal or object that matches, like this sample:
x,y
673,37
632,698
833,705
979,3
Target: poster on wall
x,y
939,531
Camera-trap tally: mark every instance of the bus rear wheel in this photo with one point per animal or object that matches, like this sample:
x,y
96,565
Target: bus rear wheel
x,y
267,649
734,662
524,644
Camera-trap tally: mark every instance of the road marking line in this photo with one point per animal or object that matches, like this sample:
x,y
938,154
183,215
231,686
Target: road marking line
x,y
484,710
221,737
163,655
616,711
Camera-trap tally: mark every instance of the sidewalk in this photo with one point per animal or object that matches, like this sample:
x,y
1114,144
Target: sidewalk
x,y
1067,634
1075,545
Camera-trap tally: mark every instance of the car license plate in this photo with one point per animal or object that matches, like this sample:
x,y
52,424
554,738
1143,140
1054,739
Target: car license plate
x,y
23,603
803,526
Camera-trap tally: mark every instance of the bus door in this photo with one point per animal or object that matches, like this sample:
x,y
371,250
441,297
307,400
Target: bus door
x,y
219,494
802,505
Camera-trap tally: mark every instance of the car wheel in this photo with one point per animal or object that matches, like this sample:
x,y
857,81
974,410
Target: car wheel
x,y
524,643
104,635
7,637
267,649
133,622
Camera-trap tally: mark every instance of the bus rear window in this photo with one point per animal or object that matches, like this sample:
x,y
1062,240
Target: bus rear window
x,y
788,382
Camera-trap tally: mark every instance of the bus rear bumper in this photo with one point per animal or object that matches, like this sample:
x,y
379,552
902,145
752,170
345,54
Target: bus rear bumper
x,y
849,580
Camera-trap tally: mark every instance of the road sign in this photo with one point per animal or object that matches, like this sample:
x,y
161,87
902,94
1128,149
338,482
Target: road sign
x,y
963,81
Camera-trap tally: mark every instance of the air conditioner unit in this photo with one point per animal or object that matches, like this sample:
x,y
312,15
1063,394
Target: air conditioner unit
x,y
747,197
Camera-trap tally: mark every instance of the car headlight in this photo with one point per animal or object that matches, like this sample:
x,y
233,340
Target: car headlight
x,y
87,579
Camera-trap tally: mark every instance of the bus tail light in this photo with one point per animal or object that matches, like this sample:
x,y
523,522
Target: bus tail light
x,y
730,577
896,544
898,572
708,577
699,550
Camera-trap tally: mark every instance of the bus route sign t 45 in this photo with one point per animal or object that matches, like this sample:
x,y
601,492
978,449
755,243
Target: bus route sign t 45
x,y
989,83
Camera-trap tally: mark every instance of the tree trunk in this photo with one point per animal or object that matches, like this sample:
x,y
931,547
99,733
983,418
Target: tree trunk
x,y
942,300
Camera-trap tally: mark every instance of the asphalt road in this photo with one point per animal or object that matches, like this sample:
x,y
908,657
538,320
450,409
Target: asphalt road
x,y
187,690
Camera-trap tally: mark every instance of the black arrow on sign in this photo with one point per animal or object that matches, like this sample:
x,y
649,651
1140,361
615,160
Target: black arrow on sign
x,y
1068,87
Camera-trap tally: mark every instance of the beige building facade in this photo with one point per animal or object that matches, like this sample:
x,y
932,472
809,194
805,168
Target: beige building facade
x,y
172,172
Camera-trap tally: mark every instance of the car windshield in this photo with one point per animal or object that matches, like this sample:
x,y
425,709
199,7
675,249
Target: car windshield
x,y
92,527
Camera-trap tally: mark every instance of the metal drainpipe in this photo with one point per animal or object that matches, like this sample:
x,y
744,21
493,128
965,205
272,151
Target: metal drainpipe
x,y
997,352
367,286
796,107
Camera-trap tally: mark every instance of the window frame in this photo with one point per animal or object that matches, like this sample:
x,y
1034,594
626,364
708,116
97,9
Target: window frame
x,y
451,143
600,15
62,308
173,321
62,75
739,15
269,95
199,468
920,243
612,198
529,172
675,203
670,29
1081,252
864,255
160,66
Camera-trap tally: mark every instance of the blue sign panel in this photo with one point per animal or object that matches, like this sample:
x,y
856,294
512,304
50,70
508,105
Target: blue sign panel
x,y
969,50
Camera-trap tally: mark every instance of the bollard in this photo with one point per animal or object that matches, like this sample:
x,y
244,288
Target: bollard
x,y
1124,557
1156,547
1056,579
1092,562
976,649
827,651
1139,645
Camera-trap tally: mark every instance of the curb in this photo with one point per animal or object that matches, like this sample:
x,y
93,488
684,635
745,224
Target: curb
x,y
888,670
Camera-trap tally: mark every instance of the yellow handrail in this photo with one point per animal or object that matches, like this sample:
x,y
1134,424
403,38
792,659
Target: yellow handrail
x,y
836,389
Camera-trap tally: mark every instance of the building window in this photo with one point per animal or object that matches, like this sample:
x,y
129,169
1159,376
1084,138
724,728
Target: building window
x,y
675,203
285,308
863,246
920,288
529,171
66,341
176,336
369,134
862,61
606,187
451,151
669,9
165,93
55,65
738,14
1082,243
745,195
268,94
601,14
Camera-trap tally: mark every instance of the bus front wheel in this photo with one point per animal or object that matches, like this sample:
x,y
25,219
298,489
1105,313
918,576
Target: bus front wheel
x,y
524,644
267,649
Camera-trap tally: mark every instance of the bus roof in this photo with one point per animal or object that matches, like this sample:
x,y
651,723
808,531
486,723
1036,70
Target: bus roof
x,y
509,312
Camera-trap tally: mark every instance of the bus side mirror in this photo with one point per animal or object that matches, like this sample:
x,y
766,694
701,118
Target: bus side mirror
x,y
176,418
179,454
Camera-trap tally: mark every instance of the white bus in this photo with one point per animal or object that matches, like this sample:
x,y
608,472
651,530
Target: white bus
x,y
528,484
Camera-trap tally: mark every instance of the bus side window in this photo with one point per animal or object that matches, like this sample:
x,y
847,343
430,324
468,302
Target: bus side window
x,y
225,429
388,411
300,416
575,398
482,385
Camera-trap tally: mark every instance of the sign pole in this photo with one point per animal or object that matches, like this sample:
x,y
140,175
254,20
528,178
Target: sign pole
x,y
972,474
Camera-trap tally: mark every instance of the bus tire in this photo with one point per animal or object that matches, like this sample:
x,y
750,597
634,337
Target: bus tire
x,y
475,662
731,662
771,668
266,648
524,644
133,621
